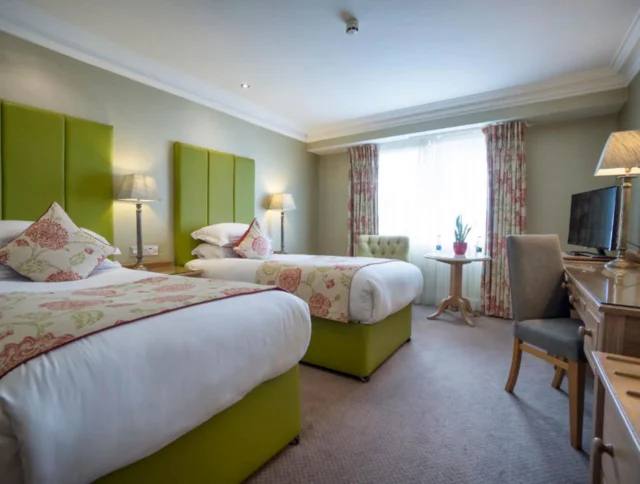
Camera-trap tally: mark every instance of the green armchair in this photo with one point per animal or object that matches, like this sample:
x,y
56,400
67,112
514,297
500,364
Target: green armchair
x,y
383,247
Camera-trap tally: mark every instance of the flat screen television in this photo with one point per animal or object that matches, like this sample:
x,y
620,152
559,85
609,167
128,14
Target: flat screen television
x,y
594,219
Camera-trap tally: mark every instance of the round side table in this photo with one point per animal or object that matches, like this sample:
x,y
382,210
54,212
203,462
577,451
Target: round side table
x,y
455,301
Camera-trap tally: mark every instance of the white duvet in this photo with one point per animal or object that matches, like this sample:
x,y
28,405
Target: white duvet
x,y
377,291
105,401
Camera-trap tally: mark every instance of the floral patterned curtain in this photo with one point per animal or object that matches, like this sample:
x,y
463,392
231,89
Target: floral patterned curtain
x,y
506,197
363,193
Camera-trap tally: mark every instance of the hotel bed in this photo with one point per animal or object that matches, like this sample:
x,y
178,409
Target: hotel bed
x,y
206,393
212,187
377,291
113,398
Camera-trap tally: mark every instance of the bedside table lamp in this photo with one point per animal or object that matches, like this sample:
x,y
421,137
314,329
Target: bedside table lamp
x,y
138,188
621,158
282,202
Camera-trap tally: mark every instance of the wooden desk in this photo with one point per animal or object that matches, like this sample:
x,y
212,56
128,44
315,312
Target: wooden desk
x,y
608,306
615,454
455,301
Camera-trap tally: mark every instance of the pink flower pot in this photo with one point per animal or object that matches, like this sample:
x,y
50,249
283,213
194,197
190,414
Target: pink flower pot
x,y
460,248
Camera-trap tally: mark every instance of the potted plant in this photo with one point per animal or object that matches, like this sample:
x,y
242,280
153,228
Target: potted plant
x,y
461,232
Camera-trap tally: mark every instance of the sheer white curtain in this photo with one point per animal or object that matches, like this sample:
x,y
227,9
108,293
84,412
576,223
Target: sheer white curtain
x,y
424,184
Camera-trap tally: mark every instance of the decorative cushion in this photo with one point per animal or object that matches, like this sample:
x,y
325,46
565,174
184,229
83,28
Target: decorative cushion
x,y
54,249
223,235
254,244
10,229
209,251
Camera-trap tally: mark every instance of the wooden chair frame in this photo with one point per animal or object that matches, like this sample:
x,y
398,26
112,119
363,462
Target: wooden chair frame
x,y
575,371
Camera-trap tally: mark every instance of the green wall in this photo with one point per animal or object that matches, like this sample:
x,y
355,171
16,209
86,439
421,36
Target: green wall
x,y
629,119
146,122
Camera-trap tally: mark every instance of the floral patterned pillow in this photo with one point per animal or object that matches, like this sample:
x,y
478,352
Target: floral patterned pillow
x,y
54,249
254,244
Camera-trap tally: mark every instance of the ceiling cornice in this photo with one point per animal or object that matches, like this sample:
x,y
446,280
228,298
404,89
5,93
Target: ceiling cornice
x,y
29,23
24,21
566,86
626,60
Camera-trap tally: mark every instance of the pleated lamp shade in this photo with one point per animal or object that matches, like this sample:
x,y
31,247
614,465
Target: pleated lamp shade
x,y
138,188
621,155
282,201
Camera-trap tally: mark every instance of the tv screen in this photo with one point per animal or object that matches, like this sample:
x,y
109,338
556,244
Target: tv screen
x,y
594,219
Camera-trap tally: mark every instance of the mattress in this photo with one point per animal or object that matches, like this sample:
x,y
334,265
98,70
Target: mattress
x,y
115,397
377,290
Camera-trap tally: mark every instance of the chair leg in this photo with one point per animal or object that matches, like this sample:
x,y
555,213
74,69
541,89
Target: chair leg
x,y
515,366
576,375
557,378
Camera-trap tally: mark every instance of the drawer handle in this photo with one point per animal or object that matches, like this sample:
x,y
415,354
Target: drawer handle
x,y
563,286
598,447
573,300
582,331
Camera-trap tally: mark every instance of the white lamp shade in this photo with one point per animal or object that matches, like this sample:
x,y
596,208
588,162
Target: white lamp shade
x,y
138,188
621,155
282,201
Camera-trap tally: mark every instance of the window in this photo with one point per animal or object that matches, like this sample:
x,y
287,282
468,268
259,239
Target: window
x,y
424,184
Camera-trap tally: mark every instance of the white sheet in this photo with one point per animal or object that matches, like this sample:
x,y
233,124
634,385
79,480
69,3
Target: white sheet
x,y
105,401
377,290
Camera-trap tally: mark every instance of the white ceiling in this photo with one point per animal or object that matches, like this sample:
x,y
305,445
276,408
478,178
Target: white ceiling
x,y
304,68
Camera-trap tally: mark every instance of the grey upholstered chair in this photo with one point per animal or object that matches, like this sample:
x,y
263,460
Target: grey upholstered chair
x,y
542,319
383,247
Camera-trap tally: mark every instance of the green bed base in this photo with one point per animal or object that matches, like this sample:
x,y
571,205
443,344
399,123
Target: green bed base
x,y
231,445
357,349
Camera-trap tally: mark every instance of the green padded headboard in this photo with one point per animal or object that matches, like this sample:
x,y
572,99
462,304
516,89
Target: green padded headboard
x,y
46,157
208,187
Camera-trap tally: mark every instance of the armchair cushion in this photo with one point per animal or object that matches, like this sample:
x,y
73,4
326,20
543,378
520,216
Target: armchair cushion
x,y
558,336
383,247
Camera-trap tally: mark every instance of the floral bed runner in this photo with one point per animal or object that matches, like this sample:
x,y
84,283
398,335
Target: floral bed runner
x,y
324,282
35,323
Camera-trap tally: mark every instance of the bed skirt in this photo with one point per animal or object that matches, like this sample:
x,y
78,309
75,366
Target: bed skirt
x,y
231,445
357,349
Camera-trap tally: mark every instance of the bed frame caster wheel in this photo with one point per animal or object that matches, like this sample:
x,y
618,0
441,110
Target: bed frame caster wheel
x,y
364,379
295,441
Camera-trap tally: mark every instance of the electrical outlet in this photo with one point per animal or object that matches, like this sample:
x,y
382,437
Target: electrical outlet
x,y
146,250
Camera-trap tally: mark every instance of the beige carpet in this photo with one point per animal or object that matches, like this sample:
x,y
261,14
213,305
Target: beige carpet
x,y
436,412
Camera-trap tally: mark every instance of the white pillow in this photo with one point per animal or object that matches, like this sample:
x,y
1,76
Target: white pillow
x,y
208,251
222,235
11,229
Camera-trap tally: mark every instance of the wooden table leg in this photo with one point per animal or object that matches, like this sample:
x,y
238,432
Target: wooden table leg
x,y
455,301
469,308
465,314
443,306
456,288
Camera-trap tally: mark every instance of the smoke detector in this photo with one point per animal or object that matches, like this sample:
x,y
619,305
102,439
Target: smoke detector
x,y
352,26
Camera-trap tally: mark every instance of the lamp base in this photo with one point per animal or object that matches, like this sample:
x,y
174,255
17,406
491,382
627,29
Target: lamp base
x,y
622,265
139,267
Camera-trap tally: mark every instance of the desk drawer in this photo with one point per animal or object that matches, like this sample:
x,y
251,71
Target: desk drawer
x,y
623,466
588,312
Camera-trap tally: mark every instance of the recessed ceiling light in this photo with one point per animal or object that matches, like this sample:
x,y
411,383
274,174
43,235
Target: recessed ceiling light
x,y
244,85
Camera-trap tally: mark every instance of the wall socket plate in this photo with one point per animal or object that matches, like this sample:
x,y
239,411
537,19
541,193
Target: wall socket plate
x,y
146,250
